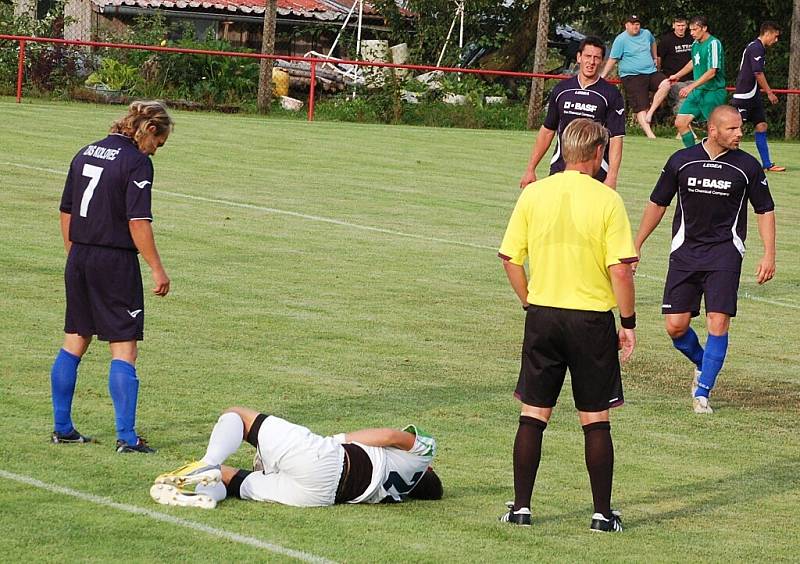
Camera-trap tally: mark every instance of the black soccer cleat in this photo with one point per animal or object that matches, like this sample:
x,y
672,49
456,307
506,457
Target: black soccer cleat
x,y
73,437
140,446
603,525
521,516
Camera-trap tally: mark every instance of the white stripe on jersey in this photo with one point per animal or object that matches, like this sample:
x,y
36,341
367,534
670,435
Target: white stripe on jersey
x,y
680,235
557,152
747,95
714,54
737,241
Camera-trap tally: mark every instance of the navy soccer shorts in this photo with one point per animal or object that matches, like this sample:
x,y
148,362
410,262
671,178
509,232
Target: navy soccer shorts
x,y
586,342
752,111
683,290
104,293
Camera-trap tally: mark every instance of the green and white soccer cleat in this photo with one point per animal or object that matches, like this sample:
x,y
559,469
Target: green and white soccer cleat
x,y
167,494
197,472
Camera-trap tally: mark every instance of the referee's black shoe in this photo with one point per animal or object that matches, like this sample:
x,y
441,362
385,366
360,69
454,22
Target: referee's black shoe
x,y
140,446
73,437
521,516
601,524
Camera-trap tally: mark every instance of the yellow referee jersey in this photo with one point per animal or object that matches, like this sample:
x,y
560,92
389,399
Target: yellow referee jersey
x,y
571,228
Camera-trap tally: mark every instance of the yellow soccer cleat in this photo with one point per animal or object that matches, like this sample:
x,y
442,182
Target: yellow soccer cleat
x,y
197,472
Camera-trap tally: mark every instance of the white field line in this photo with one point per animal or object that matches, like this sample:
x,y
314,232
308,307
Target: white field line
x,y
221,533
639,274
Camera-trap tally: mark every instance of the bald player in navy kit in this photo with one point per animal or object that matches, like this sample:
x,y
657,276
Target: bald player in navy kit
x,y
105,222
586,95
713,181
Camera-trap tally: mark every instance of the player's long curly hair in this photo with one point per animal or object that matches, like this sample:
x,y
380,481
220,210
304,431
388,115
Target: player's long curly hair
x,y
141,115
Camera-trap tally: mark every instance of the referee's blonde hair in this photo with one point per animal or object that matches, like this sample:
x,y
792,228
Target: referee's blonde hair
x,y
581,139
141,115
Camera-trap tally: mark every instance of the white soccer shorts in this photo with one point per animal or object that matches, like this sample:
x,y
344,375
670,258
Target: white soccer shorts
x,y
301,468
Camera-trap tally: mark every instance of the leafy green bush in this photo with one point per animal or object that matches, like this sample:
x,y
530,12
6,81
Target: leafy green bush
x,y
114,75
206,79
49,68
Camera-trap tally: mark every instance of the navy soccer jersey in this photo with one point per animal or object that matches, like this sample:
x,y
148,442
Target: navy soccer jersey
x,y
752,63
599,101
109,183
710,224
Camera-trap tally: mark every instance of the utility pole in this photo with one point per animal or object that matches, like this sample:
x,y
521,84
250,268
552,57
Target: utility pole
x,y
536,100
793,100
267,48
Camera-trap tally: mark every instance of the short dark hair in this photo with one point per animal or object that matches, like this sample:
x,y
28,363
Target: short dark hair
x,y
702,21
594,41
428,487
769,25
679,19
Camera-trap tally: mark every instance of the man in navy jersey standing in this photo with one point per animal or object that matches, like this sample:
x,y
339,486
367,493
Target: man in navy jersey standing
x,y
105,220
585,95
747,98
712,181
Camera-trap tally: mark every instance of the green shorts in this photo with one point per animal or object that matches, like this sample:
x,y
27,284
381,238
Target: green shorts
x,y
700,103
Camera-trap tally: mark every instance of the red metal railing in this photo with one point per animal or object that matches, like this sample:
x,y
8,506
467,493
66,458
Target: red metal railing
x,y
314,61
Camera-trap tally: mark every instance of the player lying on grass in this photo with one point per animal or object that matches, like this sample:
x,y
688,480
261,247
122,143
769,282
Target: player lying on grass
x,y
294,466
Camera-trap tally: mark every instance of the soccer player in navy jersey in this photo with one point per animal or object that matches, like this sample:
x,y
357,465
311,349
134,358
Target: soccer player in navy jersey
x,y
747,98
105,221
585,95
713,180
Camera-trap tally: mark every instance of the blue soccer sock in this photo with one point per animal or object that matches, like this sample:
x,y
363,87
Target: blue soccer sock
x,y
689,345
688,139
763,148
124,389
63,376
713,358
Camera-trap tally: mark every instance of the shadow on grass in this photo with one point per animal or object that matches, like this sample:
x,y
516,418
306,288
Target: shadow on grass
x,y
734,389
706,496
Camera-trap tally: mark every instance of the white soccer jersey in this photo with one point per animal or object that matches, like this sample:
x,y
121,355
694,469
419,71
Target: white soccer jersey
x,y
395,472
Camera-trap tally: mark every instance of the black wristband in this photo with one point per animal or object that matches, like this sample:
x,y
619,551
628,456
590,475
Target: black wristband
x,y
628,322
525,307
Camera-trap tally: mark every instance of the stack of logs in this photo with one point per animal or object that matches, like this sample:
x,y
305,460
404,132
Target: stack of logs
x,y
300,76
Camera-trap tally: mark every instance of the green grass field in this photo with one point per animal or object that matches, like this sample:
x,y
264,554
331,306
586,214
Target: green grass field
x,y
345,276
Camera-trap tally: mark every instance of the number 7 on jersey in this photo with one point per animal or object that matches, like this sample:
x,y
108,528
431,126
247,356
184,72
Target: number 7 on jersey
x,y
93,173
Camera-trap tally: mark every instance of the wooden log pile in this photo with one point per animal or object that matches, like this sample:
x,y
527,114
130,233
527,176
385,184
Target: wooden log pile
x,y
300,76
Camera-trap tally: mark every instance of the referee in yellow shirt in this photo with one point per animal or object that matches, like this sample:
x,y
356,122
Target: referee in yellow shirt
x,y
576,236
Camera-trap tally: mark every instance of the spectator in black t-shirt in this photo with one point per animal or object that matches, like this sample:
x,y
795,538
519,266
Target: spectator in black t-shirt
x,y
673,52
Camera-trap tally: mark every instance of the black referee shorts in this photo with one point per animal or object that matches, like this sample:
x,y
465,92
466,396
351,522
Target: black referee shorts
x,y
586,342
104,293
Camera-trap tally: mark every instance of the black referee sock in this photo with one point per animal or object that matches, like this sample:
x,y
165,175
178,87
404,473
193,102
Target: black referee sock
x,y
527,453
600,463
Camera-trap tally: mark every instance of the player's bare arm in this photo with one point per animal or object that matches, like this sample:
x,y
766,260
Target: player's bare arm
x,y
652,216
383,437
143,238
608,66
687,68
614,161
65,221
761,78
622,283
705,77
543,140
518,279
765,270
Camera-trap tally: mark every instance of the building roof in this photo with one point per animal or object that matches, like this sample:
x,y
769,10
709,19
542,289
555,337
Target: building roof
x,y
330,10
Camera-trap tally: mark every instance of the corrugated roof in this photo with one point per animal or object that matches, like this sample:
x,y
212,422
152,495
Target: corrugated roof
x,y
318,9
